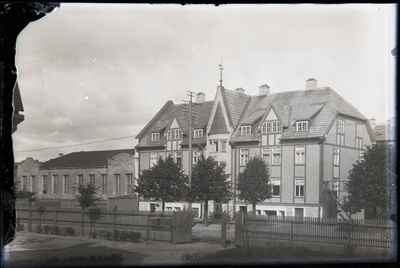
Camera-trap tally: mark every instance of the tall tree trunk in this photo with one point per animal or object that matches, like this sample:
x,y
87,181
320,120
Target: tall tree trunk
x,y
82,228
254,208
206,213
163,207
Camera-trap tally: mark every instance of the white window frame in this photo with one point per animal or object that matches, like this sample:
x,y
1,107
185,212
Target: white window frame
x,y
300,155
266,155
339,139
55,184
359,131
155,136
117,183
80,179
275,182
65,184
336,156
129,183
299,189
359,143
178,155
340,126
45,183
244,156
276,126
153,159
302,126
198,133
275,152
104,183
34,183
224,143
196,156
25,183
174,134
245,130
92,179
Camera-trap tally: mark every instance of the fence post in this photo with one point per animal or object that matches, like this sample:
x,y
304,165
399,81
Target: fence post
x,y
148,227
55,217
291,232
223,230
115,221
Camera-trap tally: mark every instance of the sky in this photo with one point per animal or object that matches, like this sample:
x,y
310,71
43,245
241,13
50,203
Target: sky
x,y
92,76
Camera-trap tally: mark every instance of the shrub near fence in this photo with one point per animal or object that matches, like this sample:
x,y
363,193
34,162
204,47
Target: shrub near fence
x,y
148,226
370,233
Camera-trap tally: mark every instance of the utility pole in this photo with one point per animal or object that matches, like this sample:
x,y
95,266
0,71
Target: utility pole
x,y
190,94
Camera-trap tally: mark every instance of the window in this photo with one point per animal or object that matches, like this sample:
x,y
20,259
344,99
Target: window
x,y
215,146
153,159
271,126
336,156
246,130
359,143
178,158
155,136
174,134
302,126
340,139
340,126
55,184
103,183
117,183
266,152
24,183
198,133
276,154
92,179
129,183
359,130
66,184
276,187
300,154
34,184
299,187
276,126
196,156
80,179
45,183
223,146
244,156
335,187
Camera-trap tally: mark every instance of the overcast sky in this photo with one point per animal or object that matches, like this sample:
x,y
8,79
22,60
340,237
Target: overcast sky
x,y
91,72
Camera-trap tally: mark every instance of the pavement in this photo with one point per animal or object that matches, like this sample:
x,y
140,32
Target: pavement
x,y
33,246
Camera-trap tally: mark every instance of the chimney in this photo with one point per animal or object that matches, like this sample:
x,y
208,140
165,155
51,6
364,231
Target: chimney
x,y
372,122
311,83
200,97
239,90
263,90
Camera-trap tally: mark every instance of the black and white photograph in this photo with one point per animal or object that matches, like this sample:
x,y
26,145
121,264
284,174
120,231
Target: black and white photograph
x,y
234,134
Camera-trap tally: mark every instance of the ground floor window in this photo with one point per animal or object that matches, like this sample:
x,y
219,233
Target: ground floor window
x,y
299,187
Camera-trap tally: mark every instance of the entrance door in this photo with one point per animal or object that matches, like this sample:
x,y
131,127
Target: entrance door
x,y
299,214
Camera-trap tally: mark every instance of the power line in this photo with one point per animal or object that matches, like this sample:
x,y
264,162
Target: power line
x,y
78,144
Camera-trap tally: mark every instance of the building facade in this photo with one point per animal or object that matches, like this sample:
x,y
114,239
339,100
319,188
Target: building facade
x,y
112,172
309,139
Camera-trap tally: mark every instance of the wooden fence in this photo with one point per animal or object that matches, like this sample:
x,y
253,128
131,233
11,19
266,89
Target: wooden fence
x,y
151,226
370,233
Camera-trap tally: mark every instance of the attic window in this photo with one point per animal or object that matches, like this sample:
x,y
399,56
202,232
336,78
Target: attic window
x,y
245,130
155,136
174,134
271,126
302,126
198,133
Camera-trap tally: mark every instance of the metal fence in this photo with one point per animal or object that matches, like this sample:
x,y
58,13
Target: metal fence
x,y
370,233
151,226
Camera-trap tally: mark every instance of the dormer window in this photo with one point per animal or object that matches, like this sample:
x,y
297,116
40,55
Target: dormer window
x,y
198,133
271,126
155,136
174,134
245,130
302,126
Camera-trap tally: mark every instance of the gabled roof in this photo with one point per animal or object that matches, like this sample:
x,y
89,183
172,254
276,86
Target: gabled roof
x,y
218,125
88,159
159,123
235,104
322,105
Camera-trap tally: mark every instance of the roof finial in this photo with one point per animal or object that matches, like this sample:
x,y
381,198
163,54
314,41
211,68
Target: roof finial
x,y
220,68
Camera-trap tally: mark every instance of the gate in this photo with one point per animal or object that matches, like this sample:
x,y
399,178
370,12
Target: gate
x,y
182,227
239,230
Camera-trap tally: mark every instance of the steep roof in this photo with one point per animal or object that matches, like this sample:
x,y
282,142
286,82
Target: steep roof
x,y
159,123
320,106
235,104
84,159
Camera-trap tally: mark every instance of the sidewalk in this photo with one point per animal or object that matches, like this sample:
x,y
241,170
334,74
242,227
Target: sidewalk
x,y
33,246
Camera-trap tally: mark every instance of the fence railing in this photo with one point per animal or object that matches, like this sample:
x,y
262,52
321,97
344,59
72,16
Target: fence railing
x,y
371,233
152,226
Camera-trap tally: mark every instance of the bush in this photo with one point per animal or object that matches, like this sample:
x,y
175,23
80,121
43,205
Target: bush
x,y
116,235
54,230
46,229
134,236
70,231
38,229
124,236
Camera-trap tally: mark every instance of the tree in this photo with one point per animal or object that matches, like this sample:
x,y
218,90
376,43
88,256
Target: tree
x,y
253,183
86,196
209,183
165,181
367,185
94,215
31,198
